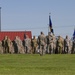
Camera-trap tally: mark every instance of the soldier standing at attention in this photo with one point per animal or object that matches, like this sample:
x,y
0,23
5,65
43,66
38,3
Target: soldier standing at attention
x,y
9,45
1,48
59,45
27,46
66,44
42,43
34,44
4,44
50,43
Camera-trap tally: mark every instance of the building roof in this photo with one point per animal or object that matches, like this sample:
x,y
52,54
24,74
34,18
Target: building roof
x,y
13,34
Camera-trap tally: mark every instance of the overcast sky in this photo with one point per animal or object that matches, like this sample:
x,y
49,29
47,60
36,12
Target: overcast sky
x,y
33,15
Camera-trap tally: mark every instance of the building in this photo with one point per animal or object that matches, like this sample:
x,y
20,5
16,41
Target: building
x,y
13,34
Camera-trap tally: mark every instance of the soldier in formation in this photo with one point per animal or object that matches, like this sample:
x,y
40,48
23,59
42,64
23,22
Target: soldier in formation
x,y
66,44
20,46
42,43
27,44
59,45
5,45
1,48
34,44
50,43
10,48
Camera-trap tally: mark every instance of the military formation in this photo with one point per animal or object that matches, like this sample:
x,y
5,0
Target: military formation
x,y
44,44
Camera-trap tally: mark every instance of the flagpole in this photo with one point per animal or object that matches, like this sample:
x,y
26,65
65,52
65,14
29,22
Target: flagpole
x,y
50,24
49,21
48,28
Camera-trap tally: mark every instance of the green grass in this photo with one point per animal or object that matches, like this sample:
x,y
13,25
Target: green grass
x,y
34,64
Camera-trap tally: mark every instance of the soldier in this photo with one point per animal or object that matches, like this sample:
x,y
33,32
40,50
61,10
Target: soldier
x,y
50,43
27,44
15,43
5,45
20,46
9,46
59,44
1,48
11,50
42,43
66,44
34,44
54,44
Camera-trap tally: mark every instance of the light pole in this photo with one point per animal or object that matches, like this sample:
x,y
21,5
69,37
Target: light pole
x,y
0,18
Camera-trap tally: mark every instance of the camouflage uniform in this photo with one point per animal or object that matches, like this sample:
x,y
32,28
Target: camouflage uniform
x,y
9,46
59,44
1,48
54,44
5,45
50,43
34,44
11,51
27,44
66,44
19,45
15,43
42,43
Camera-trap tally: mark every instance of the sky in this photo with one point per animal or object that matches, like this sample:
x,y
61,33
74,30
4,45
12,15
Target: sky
x,y
33,15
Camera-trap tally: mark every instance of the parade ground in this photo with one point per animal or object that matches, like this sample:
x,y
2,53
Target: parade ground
x,y
34,64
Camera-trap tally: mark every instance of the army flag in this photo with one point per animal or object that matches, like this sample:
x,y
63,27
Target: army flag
x,y
50,24
74,33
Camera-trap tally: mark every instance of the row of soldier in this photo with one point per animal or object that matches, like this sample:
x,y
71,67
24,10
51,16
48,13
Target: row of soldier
x,y
52,45
43,44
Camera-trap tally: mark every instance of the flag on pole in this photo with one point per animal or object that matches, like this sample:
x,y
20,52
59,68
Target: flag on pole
x,y
50,24
74,33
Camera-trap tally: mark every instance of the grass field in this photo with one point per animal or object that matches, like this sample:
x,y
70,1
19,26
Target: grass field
x,y
34,64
